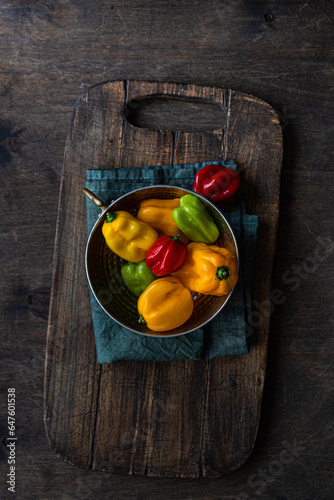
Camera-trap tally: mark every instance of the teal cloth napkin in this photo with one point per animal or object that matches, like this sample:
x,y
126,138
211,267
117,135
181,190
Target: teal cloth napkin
x,y
226,334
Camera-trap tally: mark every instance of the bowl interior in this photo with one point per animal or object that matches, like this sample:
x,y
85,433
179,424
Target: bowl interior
x,y
104,267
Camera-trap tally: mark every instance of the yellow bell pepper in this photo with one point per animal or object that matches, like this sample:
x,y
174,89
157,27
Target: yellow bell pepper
x,y
127,237
208,269
158,214
165,304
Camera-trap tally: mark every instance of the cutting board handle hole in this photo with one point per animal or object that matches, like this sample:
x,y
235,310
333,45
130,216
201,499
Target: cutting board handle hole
x,y
173,113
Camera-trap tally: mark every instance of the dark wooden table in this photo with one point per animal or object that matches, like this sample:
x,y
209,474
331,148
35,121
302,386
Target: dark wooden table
x,y
281,52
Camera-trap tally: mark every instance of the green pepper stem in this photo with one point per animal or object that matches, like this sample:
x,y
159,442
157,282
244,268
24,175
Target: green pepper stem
x,y
141,320
110,216
223,272
175,238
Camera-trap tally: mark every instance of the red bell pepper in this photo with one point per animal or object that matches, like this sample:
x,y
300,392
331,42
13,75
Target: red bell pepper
x,y
217,183
166,255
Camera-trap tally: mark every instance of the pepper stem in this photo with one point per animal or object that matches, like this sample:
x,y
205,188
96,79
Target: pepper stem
x,y
141,320
110,216
223,273
175,238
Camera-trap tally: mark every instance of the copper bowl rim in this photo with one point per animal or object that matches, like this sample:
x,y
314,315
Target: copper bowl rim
x,y
105,209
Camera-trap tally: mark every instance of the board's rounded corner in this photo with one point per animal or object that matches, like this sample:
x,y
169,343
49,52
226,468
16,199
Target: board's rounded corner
x,y
261,102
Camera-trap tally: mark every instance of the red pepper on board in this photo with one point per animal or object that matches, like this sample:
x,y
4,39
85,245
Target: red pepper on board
x,y
217,183
166,255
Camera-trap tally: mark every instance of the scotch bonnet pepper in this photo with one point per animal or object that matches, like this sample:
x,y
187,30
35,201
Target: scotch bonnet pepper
x,y
209,269
217,183
128,237
158,214
194,220
137,276
165,304
166,255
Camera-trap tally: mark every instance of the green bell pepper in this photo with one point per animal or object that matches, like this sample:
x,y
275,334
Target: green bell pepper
x,y
137,276
194,220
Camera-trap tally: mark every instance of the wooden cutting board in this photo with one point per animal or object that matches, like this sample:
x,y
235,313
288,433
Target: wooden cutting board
x,y
182,418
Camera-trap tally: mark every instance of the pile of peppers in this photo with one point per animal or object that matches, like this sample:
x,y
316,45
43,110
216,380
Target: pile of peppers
x,y
169,251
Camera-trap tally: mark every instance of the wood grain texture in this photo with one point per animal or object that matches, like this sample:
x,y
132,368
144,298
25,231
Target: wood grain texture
x,y
177,419
52,51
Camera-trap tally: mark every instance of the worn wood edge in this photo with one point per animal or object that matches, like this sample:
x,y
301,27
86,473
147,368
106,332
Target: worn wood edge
x,y
54,270
80,98
261,348
53,444
48,367
182,95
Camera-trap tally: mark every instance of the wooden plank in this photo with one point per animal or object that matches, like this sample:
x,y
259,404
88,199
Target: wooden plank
x,y
145,417
54,50
72,374
235,385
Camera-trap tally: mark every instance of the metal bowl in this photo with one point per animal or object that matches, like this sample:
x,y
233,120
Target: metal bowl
x,y
103,267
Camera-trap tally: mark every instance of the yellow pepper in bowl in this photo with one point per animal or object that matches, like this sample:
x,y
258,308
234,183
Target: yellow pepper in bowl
x,y
128,237
158,214
165,304
208,269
